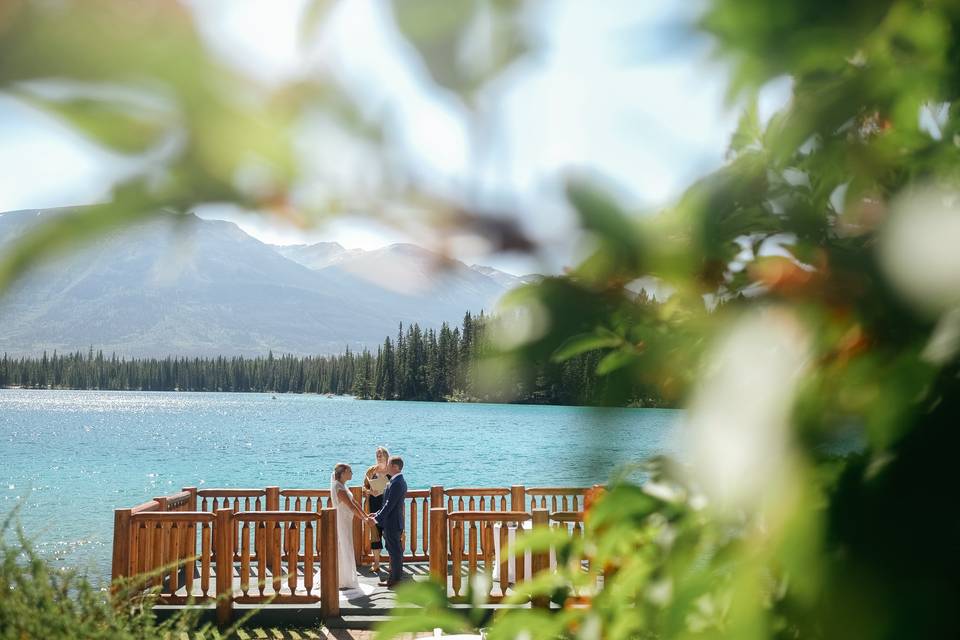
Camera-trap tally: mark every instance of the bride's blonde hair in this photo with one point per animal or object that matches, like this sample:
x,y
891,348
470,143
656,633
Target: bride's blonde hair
x,y
338,470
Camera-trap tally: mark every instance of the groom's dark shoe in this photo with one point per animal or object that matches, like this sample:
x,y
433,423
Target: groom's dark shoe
x,y
387,583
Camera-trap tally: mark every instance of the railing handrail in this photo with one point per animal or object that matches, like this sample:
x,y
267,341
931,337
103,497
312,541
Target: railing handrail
x,y
183,497
489,516
149,505
179,496
231,493
305,493
168,516
567,516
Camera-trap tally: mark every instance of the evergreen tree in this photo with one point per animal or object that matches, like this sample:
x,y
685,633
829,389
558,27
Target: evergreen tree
x,y
431,365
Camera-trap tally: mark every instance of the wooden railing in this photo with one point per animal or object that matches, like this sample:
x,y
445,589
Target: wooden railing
x,y
305,499
477,499
572,521
557,498
265,545
184,500
236,499
286,538
163,546
278,550
474,538
416,537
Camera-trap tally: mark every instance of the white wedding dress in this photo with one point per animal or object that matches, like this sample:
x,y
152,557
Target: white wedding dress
x,y
346,561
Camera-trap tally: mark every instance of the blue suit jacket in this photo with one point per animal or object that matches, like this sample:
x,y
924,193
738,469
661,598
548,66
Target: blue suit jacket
x,y
390,516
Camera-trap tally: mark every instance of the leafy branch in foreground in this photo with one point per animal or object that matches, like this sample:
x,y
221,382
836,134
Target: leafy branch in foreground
x,y
831,231
42,601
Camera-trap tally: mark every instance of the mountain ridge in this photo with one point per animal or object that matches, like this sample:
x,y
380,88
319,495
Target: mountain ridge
x,y
192,286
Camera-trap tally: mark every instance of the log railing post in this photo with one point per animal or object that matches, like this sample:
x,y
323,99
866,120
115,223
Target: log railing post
x,y
223,528
436,501
358,529
271,503
329,574
161,503
190,550
593,494
273,499
540,560
438,544
518,498
192,500
122,535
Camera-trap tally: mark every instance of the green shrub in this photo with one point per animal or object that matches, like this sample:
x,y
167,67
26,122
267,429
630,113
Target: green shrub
x,y
38,600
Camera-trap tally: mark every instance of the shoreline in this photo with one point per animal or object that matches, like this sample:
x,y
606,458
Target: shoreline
x,y
343,396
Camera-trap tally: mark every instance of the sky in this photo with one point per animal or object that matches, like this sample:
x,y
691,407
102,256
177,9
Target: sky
x,y
614,91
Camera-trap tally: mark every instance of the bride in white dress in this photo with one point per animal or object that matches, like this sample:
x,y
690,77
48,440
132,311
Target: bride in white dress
x,y
347,510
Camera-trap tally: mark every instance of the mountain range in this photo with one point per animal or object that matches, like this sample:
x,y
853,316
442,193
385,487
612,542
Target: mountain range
x,y
192,286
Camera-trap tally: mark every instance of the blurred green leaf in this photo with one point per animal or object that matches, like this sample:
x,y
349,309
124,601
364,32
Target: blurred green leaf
x,y
621,253
616,360
541,539
464,43
749,132
66,231
575,345
125,128
421,606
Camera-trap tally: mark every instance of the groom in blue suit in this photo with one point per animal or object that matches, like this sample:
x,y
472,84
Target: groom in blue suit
x,y
390,519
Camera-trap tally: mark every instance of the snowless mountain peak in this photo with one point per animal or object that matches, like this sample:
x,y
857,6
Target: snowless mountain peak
x,y
207,288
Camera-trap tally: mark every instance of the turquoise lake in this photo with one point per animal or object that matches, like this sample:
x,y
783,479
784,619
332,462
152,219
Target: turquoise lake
x,y
71,457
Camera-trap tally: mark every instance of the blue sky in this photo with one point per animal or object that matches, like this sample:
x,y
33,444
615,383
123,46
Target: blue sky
x,y
616,91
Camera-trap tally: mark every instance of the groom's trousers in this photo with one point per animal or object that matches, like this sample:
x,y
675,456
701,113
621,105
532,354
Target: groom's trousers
x,y
392,539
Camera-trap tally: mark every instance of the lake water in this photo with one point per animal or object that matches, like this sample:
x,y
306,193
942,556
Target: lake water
x,y
71,457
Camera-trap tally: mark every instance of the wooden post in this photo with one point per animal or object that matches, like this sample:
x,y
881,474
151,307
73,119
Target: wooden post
x,y
593,494
273,499
329,574
122,534
438,544
224,550
192,501
540,561
436,501
190,550
161,503
518,498
272,503
358,528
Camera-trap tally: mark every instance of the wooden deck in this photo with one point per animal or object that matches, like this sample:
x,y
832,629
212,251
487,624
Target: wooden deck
x,y
360,608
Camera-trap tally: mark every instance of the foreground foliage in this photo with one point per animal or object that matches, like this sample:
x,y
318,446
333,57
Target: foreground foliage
x,y
832,231
41,601
830,234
